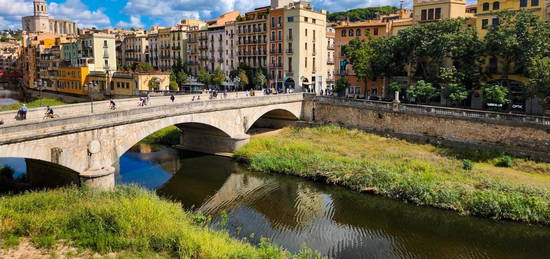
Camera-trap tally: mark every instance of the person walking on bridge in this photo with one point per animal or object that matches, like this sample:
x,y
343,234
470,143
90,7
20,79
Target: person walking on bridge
x,y
172,98
22,113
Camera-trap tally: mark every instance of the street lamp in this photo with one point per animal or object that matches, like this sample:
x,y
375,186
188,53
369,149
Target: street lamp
x,y
91,86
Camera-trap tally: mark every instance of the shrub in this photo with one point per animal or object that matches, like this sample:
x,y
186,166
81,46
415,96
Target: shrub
x,y
505,161
467,164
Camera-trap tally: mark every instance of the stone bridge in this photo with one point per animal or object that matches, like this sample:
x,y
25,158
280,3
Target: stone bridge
x,y
91,143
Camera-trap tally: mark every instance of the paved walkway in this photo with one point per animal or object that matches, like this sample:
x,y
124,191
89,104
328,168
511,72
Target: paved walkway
x,y
37,114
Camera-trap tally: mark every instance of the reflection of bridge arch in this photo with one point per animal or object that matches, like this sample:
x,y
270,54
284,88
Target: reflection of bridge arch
x,y
92,143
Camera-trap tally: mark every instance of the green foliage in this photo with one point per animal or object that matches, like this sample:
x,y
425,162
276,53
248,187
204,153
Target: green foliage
x,y
360,54
128,220
467,165
174,86
260,79
204,77
218,77
495,94
34,104
341,85
520,36
422,91
398,170
181,77
505,161
167,136
142,67
539,79
244,78
395,86
361,14
455,93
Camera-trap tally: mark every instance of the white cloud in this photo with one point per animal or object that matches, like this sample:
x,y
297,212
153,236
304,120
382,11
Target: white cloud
x,y
13,10
135,22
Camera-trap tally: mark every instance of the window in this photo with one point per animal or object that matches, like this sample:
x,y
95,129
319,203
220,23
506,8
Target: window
x,y
273,22
306,32
437,13
105,44
375,31
306,63
424,15
350,32
280,35
358,32
290,19
306,45
289,64
485,6
484,23
496,5
496,22
343,33
313,34
534,2
314,21
430,14
306,19
493,65
289,34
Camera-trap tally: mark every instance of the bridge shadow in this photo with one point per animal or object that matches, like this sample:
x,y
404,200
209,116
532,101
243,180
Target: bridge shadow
x,y
273,120
24,174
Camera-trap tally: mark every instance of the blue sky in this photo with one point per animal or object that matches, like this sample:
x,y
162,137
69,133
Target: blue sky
x,y
144,13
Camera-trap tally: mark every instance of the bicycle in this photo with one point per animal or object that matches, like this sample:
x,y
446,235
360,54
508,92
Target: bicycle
x,y
50,116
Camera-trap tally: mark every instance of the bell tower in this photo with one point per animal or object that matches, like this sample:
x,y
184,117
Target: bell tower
x,y
40,8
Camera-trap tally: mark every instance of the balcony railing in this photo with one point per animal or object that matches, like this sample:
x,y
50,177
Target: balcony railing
x,y
289,51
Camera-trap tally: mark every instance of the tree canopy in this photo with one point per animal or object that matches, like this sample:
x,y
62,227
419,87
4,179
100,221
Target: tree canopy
x,y
361,14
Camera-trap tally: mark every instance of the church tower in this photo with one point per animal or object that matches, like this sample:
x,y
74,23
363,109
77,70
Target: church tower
x,y
40,8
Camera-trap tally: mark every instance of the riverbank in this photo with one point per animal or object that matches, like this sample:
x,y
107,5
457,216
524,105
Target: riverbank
x,y
128,222
485,184
34,104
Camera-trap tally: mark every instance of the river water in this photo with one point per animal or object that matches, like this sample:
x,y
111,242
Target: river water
x,y
7,96
292,212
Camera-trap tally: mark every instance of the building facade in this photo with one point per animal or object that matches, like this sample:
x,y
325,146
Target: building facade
x,y
252,38
435,10
40,22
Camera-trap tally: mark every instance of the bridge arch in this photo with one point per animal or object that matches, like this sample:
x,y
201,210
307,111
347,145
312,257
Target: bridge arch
x,y
274,118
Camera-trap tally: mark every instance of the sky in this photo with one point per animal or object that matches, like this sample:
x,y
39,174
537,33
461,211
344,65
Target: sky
x,y
145,13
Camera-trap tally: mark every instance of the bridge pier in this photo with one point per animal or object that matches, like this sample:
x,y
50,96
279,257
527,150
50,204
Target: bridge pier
x,y
103,179
209,142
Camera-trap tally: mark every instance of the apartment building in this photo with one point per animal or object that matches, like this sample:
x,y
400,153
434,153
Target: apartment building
x,y
215,54
252,38
276,48
331,59
435,10
230,48
165,49
345,32
153,49
203,48
486,11
135,49
124,83
9,56
306,56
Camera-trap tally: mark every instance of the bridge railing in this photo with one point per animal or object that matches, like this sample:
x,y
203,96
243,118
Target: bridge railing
x,y
438,111
81,122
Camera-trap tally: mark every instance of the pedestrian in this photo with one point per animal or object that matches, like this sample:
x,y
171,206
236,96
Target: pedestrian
x,y
198,98
172,98
22,114
112,104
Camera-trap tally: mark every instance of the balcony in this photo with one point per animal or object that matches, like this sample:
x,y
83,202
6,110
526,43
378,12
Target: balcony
x,y
203,58
203,38
203,48
331,47
275,65
176,48
330,61
192,40
289,73
314,53
289,51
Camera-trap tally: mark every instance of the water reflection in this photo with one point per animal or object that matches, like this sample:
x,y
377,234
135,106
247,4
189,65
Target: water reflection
x,y
335,221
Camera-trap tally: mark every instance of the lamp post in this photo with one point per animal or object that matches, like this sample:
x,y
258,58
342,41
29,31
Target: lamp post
x,y
91,86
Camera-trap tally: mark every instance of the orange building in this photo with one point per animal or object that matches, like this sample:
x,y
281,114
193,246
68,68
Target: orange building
x,y
345,32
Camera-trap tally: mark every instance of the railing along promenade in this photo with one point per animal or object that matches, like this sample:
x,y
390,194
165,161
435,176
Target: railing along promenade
x,y
458,113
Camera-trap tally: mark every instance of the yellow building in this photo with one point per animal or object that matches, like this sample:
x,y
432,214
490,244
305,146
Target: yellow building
x,y
435,10
122,84
486,11
72,80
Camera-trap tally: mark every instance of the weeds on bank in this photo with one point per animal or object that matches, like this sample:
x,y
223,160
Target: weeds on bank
x,y
129,220
167,136
421,174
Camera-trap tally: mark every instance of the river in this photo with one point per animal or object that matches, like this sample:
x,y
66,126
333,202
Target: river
x,y
292,212
7,96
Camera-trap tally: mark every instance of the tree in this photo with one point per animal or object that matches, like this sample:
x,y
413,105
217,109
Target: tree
x,y
341,85
203,77
519,37
174,86
360,55
143,67
455,93
539,79
495,94
181,77
260,79
361,14
218,77
422,91
243,78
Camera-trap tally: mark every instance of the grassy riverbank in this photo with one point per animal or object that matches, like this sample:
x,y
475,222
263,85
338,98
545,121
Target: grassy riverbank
x,y
128,221
167,136
34,104
484,184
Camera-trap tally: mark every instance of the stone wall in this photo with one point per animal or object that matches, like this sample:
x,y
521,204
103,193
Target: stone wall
x,y
521,135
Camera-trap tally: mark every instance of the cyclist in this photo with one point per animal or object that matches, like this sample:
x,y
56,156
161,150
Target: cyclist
x,y
49,112
112,104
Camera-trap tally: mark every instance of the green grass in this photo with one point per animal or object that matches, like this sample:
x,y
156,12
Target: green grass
x,y
167,136
129,220
34,104
420,174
